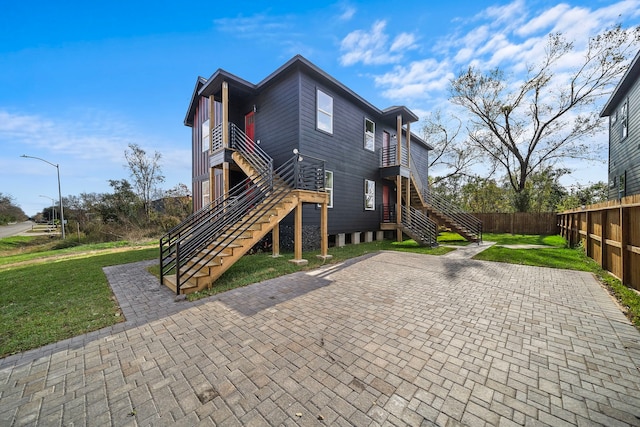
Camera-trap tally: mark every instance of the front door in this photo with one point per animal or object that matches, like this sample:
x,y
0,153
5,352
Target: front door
x,y
249,129
386,208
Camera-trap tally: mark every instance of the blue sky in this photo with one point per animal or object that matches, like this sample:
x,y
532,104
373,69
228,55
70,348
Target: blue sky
x,y
79,81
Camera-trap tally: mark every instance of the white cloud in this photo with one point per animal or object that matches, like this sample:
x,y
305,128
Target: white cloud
x,y
373,48
416,80
348,12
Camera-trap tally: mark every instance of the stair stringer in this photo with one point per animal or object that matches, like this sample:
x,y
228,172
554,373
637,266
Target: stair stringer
x,y
208,273
418,202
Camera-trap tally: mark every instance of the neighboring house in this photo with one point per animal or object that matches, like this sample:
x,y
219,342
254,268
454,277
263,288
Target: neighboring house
x,y
302,156
623,110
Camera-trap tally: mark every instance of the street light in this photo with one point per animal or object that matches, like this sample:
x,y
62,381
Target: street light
x,y
53,208
59,192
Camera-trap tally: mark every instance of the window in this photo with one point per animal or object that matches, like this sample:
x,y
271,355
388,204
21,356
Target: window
x,y
324,116
624,118
369,195
369,135
205,193
614,118
328,186
205,136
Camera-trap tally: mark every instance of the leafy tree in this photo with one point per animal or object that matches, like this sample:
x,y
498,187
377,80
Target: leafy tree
x,y
9,211
527,125
485,195
122,206
544,189
177,201
583,196
145,172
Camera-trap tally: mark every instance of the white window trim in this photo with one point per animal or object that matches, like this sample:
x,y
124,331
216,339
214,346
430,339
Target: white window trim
x,y
624,113
328,189
369,136
206,136
369,195
324,113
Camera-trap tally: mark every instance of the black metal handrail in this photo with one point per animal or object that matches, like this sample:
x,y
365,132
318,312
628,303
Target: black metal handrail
x,y
225,219
387,213
388,156
458,216
419,226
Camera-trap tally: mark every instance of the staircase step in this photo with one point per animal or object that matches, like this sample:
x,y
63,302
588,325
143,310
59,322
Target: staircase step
x,y
170,282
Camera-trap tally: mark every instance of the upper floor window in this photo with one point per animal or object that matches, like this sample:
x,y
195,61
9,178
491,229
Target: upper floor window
x,y
324,115
205,136
624,118
369,135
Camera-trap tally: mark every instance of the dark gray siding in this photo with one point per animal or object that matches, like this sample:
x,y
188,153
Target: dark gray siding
x,y
624,154
345,155
277,124
420,157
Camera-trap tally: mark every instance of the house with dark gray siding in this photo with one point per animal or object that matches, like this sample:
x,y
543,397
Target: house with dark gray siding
x,y
623,110
301,158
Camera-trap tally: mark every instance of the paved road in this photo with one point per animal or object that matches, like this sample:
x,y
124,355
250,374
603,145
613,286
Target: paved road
x,y
388,339
15,229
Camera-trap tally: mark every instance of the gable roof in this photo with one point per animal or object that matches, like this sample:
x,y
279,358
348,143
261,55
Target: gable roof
x,y
236,83
623,87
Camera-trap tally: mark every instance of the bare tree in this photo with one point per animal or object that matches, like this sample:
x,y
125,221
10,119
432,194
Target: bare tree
x,y
145,172
528,125
450,154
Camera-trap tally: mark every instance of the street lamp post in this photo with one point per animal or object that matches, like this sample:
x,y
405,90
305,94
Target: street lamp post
x,y
53,207
59,192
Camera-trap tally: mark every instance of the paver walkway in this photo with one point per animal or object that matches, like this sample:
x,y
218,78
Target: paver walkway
x,y
388,339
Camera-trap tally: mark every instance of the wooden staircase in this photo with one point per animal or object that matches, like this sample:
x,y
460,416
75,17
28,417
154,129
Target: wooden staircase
x,y
461,222
198,251
204,270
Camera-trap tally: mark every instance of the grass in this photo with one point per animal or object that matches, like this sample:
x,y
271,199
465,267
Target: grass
x,y
20,249
559,255
51,301
524,239
449,238
256,268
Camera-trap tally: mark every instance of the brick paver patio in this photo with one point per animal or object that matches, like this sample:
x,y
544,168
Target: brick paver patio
x,y
388,339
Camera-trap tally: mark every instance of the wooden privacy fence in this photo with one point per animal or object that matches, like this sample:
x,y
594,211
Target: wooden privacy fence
x,y
610,234
519,223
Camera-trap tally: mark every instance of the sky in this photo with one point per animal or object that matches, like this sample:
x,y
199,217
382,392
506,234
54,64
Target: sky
x,y
80,81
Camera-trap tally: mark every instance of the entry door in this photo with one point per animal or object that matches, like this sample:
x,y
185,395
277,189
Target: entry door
x,y
386,207
249,129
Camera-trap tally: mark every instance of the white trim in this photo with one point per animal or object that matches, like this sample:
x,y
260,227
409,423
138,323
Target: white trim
x,y
324,111
369,195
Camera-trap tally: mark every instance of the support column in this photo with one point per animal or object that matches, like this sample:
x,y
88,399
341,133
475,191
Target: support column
x,y
324,232
297,239
399,208
275,241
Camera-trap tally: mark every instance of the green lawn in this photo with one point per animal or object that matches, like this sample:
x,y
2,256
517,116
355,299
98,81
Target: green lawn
x,y
48,302
524,239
